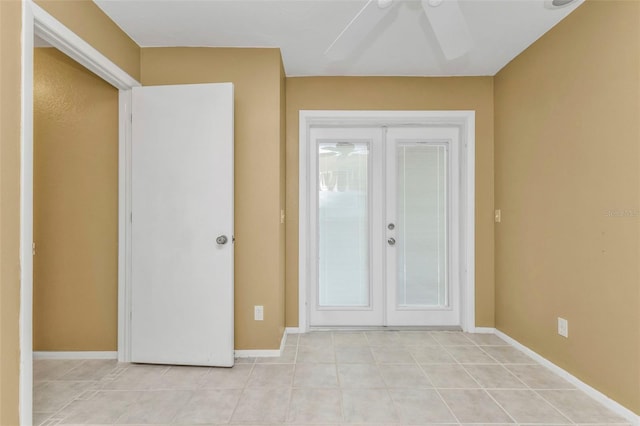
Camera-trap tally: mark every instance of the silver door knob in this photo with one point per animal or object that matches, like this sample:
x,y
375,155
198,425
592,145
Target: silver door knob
x,y
222,239
391,241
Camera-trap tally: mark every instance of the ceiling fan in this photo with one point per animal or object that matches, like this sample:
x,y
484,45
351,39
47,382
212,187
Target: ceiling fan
x,y
444,16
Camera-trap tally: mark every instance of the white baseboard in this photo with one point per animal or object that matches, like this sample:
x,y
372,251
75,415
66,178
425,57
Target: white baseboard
x,y
75,355
293,330
593,393
484,330
256,353
263,353
283,341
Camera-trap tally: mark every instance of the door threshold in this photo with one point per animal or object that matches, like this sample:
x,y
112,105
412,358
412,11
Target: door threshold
x,y
385,328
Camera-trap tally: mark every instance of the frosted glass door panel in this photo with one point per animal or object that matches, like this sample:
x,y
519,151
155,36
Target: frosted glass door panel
x,y
422,224
343,224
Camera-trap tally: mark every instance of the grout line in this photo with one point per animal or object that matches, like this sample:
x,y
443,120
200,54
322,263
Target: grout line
x,y
434,387
242,390
489,395
342,411
554,406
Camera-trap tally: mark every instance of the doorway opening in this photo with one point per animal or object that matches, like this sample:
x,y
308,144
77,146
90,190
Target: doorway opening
x,y
37,22
386,219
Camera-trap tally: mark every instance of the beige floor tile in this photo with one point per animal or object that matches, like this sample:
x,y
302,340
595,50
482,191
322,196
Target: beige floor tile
x,y
388,355
91,369
420,406
416,338
507,355
245,360
153,407
292,340
368,406
494,377
53,369
470,355
179,377
382,338
135,377
208,406
403,376
39,418
315,354
349,339
451,338
315,406
474,406
271,376
449,376
496,424
105,407
288,357
316,339
539,377
356,354
525,406
54,395
360,376
485,339
315,376
226,378
579,407
262,406
367,377
431,355
597,424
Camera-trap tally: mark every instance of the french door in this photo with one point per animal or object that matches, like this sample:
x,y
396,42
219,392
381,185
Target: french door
x,y
386,219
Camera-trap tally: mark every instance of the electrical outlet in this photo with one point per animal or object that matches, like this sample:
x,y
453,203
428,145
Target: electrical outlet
x,y
258,313
498,216
563,327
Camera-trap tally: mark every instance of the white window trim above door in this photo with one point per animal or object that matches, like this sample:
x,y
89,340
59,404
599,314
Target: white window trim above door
x,y
464,120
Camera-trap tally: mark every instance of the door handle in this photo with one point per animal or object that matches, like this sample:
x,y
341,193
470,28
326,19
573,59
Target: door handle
x,y
222,239
391,241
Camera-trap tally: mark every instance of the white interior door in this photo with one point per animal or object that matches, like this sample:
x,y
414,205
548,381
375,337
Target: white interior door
x,y
182,204
385,212
422,226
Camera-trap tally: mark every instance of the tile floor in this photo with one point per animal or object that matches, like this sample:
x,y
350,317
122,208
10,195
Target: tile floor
x,y
399,378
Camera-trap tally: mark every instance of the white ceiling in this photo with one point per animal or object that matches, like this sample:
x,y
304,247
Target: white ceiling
x,y
403,44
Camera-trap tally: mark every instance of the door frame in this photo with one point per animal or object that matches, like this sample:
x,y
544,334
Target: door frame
x,y
36,21
464,120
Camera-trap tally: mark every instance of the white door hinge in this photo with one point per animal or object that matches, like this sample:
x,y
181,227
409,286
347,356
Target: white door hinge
x,y
33,249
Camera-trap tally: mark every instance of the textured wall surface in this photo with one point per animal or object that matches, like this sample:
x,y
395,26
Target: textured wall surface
x,y
75,283
567,181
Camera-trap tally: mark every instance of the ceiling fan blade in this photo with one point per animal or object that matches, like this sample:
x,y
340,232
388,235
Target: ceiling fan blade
x,y
449,26
359,27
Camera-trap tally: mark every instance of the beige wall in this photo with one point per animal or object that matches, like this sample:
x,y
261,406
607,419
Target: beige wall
x,y
567,151
10,18
75,283
89,22
256,74
399,93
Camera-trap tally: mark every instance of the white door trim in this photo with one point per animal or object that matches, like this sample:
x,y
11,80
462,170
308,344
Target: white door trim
x,y
465,120
37,21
